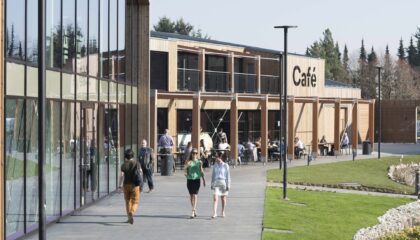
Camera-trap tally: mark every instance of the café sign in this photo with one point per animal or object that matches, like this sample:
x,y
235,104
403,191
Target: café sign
x,y
304,79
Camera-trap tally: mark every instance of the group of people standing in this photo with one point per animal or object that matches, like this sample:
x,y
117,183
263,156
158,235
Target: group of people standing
x,y
194,173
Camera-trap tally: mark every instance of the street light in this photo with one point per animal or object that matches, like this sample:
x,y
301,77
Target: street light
x,y
283,151
379,106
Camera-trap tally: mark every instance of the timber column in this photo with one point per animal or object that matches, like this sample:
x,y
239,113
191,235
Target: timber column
x,y
234,129
291,128
153,125
264,129
337,142
371,130
196,125
355,126
315,136
202,70
137,62
2,80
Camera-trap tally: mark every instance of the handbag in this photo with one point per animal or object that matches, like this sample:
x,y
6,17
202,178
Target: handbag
x,y
137,176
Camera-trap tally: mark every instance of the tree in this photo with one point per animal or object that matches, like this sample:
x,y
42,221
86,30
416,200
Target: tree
x,y
326,49
417,36
412,54
388,76
369,82
11,44
179,26
346,65
401,51
363,52
362,76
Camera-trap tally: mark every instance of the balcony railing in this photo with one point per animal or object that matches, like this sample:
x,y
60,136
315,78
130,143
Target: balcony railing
x,y
270,84
245,83
188,79
217,81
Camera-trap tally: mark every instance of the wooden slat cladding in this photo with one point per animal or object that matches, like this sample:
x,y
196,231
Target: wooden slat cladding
x,y
398,120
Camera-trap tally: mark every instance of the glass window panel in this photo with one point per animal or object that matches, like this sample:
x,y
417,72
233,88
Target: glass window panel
x,y
121,40
76,143
15,79
14,199
15,29
32,32
103,91
53,84
113,153
121,93
134,127
113,92
104,148
53,50
121,130
113,10
69,35
93,37
134,96
32,81
128,94
93,89
68,86
81,36
31,161
104,46
68,150
81,88
128,128
52,158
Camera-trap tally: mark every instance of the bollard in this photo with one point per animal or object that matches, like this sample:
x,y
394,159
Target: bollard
x,y
418,183
309,158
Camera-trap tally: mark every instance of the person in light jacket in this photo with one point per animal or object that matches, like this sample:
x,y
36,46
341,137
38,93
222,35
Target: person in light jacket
x,y
220,184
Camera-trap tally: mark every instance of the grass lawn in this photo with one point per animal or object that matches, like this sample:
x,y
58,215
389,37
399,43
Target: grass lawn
x,y
370,173
324,215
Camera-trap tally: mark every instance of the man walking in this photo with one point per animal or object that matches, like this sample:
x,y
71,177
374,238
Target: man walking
x,y
146,160
128,185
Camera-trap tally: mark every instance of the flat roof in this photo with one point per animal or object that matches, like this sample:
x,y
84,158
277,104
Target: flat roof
x,y
165,35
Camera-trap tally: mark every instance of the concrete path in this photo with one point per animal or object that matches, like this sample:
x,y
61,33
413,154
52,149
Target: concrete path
x,y
164,213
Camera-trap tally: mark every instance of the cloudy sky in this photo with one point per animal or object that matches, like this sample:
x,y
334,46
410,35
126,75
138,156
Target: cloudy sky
x,y
250,22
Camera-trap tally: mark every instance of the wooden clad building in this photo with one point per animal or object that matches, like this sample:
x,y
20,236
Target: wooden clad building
x,y
199,81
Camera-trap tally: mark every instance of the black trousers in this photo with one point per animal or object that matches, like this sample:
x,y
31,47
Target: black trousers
x,y
147,176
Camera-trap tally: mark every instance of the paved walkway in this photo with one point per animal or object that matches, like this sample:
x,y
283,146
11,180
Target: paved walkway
x,y
164,214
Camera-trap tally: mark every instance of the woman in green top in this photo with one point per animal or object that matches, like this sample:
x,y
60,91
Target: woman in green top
x,y
193,172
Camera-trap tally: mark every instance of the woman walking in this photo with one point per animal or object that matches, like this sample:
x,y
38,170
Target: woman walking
x,y
220,183
193,172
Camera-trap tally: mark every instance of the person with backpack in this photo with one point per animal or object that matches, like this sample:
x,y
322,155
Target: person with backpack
x,y
130,182
146,161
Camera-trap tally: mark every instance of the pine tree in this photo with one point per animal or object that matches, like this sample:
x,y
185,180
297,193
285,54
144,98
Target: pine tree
x,y
412,53
165,24
20,51
401,51
346,65
369,86
363,52
11,45
388,76
417,36
372,58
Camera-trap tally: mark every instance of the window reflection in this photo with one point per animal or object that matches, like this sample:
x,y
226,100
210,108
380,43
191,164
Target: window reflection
x,y
32,32
82,34
67,149
15,29
69,35
53,49
93,37
104,46
121,40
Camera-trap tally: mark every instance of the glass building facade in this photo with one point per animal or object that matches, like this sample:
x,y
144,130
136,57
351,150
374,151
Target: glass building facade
x,y
91,110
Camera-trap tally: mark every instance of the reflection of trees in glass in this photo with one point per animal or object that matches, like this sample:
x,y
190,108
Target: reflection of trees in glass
x,y
69,49
14,44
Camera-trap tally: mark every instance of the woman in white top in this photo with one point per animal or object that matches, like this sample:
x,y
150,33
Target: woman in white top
x,y
220,183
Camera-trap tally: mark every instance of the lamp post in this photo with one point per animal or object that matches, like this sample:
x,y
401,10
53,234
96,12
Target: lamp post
x,y
283,151
379,114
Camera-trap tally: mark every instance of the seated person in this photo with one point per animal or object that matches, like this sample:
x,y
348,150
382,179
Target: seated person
x,y
323,147
224,146
241,152
250,150
299,146
345,141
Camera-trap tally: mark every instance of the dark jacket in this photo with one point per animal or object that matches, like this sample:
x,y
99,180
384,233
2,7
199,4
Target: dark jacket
x,y
146,158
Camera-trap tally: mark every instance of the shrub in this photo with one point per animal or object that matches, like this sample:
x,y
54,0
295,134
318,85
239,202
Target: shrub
x,y
408,234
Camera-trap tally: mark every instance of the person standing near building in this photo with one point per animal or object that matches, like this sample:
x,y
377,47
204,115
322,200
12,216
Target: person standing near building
x,y
220,184
193,172
299,146
127,184
166,142
345,142
146,161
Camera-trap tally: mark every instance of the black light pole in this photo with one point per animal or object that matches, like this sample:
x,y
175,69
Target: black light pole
x,y
379,106
41,120
284,153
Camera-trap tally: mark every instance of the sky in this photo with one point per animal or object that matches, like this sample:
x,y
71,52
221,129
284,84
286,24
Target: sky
x,y
250,22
